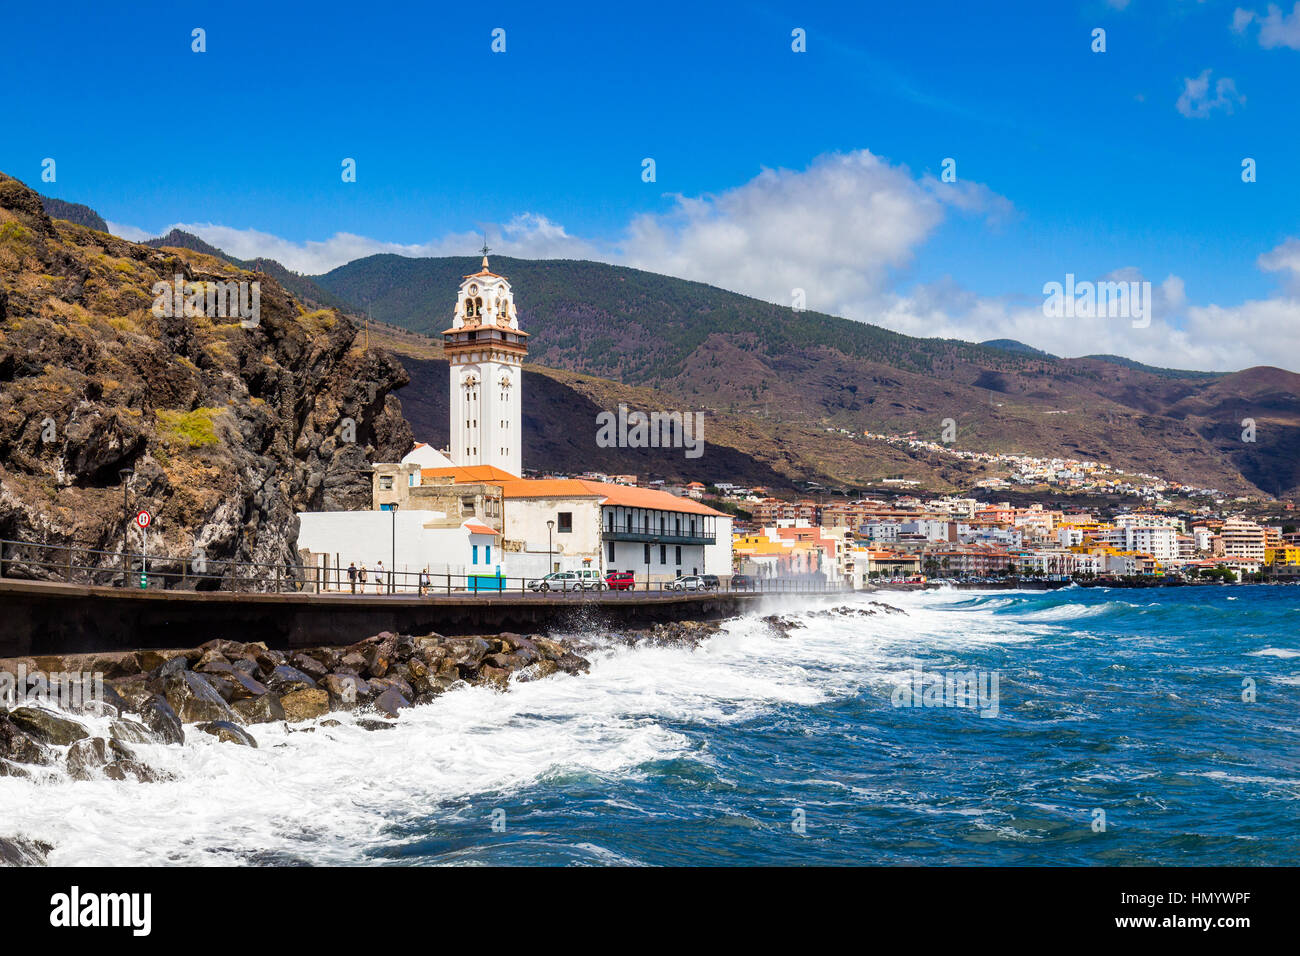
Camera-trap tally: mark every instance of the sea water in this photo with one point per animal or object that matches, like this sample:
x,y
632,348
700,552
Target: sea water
x,y
1152,726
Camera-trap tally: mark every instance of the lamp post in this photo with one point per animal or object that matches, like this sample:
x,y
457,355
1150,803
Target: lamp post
x,y
126,474
654,543
550,552
392,573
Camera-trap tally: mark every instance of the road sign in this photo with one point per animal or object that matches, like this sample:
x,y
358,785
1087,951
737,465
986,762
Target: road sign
x,y
143,519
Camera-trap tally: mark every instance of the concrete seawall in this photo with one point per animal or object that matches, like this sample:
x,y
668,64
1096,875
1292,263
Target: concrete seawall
x,y
39,618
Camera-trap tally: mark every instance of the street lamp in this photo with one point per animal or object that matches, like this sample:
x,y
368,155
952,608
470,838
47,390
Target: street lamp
x,y
126,474
654,543
392,573
550,551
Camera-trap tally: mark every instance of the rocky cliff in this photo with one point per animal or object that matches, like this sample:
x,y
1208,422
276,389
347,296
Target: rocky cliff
x,y
228,427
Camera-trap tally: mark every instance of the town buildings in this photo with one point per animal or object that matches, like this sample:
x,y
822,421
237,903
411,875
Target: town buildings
x,y
907,537
468,512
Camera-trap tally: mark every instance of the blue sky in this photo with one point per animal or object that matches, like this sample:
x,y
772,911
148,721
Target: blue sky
x,y
1126,162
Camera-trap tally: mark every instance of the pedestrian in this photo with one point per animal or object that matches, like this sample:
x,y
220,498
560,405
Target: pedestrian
x,y
380,574
362,573
352,576
424,582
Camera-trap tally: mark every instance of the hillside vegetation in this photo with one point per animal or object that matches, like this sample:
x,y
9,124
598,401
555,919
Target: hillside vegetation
x,y
800,373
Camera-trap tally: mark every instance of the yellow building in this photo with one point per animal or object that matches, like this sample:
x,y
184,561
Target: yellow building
x,y
1282,555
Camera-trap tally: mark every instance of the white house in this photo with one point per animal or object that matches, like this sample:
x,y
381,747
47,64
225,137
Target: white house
x,y
404,542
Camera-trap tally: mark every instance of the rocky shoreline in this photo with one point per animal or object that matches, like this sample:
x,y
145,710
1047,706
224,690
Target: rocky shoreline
x,y
225,688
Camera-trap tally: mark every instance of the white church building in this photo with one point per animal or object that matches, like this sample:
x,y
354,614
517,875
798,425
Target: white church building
x,y
466,510
486,350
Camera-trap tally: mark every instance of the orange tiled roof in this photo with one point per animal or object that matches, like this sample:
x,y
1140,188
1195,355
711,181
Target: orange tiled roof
x,y
474,527
547,488
467,473
646,498
609,493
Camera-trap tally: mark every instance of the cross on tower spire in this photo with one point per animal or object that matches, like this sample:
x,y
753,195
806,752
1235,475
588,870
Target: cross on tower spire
x,y
485,252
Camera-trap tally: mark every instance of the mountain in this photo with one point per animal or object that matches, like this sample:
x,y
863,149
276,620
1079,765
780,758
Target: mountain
x,y
1152,369
787,372
300,287
73,212
792,392
1011,345
229,430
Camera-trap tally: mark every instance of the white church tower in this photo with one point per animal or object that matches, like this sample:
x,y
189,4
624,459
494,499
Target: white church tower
x,y
486,351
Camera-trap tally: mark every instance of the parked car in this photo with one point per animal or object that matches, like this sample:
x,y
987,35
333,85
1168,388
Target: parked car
x,y
620,580
711,582
692,582
555,581
742,582
584,580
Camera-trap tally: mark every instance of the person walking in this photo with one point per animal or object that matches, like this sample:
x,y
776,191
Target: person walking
x,y
362,574
380,575
424,582
352,576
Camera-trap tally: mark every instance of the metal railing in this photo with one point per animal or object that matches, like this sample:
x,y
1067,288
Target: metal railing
x,y
83,565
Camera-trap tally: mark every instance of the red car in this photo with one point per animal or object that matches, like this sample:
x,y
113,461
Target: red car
x,y
620,580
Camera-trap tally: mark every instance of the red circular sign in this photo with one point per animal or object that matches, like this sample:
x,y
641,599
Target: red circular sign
x,y
143,519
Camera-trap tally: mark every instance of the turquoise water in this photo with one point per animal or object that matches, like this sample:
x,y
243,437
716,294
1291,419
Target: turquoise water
x,y
769,747
1124,701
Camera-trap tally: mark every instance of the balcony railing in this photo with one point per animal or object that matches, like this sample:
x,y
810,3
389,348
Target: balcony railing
x,y
658,537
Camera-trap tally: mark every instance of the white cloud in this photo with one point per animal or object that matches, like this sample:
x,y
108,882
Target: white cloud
x,y
1211,337
130,233
835,230
1275,27
526,236
1195,101
845,230
1285,259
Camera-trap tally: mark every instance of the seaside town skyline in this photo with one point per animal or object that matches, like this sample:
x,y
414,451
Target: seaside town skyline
x,y
678,436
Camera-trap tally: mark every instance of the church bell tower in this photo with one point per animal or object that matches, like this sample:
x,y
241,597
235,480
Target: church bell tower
x,y
486,351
